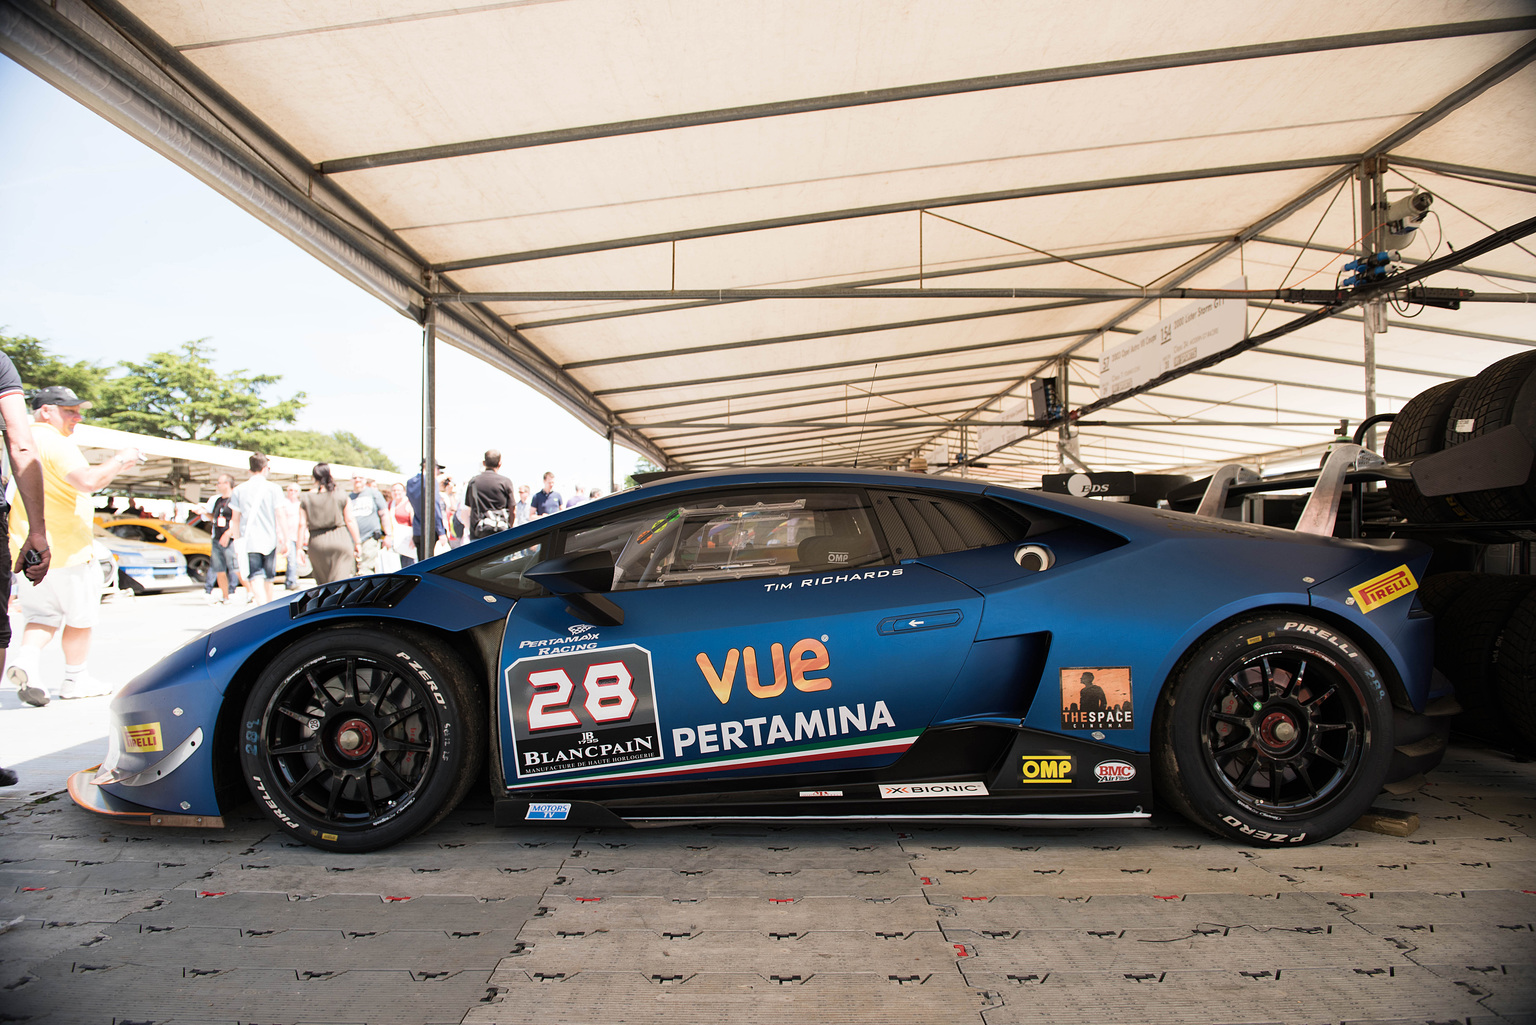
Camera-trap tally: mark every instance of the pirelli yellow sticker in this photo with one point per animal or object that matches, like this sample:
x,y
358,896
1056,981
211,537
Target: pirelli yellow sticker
x,y
1390,586
143,737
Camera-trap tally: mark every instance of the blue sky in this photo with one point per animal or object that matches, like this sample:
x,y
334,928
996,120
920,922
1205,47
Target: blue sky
x,y
108,252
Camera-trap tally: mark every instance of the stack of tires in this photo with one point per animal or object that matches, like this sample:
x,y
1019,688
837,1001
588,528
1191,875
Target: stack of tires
x,y
1485,624
1453,414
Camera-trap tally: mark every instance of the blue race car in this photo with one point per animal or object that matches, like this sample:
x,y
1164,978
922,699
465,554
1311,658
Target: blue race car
x,y
803,645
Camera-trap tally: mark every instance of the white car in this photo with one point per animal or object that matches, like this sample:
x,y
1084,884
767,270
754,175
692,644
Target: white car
x,y
142,568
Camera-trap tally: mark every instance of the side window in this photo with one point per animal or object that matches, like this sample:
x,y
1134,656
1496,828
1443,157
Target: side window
x,y
502,570
928,524
763,533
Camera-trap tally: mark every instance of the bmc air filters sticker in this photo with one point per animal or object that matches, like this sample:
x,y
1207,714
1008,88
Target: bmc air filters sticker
x,y
1096,698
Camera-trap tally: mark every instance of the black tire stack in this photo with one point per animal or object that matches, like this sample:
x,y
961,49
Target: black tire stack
x,y
1452,414
1485,629
1485,643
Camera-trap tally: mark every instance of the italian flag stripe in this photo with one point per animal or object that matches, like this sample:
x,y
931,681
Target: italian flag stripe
x,y
893,744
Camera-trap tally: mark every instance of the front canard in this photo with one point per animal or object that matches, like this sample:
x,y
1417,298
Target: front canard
x,y
1390,586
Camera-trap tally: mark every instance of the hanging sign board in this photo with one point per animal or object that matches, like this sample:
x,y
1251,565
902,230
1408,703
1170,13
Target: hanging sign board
x,y
990,439
1196,331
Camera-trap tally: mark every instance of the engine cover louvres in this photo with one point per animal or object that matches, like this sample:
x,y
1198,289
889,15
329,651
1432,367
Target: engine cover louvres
x,y
360,592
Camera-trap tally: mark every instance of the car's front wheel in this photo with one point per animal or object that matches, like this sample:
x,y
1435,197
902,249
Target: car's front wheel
x,y
1275,729
354,739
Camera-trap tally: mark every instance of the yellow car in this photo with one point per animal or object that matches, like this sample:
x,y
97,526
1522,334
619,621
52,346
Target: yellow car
x,y
189,541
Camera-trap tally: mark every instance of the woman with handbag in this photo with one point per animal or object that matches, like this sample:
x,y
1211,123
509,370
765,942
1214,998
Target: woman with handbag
x,y
325,521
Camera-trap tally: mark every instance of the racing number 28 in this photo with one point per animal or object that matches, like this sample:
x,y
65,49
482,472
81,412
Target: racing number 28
x,y
608,686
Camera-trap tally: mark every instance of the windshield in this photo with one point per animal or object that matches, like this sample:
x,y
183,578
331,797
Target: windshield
x,y
182,532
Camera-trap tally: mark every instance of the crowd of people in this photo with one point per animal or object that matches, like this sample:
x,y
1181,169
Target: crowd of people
x,y
331,532
327,531
490,503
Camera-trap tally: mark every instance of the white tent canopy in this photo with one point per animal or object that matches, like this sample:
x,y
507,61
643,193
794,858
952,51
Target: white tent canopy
x,y
812,231
191,469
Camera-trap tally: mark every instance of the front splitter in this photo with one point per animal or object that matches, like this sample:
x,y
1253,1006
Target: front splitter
x,y
91,797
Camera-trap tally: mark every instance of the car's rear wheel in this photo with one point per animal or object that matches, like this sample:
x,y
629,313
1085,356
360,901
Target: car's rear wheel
x,y
1275,729
354,739
197,566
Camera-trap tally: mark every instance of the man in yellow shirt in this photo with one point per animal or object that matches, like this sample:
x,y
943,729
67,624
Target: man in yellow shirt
x,y
70,595
34,556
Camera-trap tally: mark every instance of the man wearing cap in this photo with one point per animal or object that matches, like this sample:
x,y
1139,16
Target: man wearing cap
x,y
34,556
70,595
413,492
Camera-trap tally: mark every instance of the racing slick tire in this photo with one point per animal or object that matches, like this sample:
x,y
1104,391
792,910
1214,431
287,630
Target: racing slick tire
x,y
354,739
1515,673
1274,729
1504,393
1419,430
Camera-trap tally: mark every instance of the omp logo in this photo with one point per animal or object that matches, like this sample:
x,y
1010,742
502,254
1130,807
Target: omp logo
x,y
1114,771
1390,586
933,790
579,629
143,737
837,557
1046,769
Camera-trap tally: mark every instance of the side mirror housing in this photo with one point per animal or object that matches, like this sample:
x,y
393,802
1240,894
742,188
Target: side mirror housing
x,y
581,578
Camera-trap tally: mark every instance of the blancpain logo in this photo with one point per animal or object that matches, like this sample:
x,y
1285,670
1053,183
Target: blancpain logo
x,y
933,790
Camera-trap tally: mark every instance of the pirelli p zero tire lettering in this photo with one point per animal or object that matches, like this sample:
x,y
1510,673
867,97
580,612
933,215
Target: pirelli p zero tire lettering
x,y
1275,729
354,739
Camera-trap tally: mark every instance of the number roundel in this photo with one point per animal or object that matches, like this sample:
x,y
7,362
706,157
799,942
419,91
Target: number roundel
x,y
609,689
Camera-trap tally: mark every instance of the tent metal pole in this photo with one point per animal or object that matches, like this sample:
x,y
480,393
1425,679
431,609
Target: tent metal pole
x,y
1372,204
428,524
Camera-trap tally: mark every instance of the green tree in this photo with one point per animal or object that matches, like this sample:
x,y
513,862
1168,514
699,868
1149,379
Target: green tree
x,y
642,465
40,368
339,447
181,395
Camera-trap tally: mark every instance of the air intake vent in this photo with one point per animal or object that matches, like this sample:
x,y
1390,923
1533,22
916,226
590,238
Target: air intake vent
x,y
378,592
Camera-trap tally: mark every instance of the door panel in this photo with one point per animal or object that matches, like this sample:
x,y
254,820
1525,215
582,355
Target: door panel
x,y
818,671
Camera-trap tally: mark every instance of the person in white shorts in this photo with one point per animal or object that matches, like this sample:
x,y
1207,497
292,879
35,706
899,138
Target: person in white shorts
x,y
69,597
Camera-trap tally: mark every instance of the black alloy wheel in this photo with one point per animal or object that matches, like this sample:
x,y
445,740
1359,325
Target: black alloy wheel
x,y
1276,730
354,740
197,566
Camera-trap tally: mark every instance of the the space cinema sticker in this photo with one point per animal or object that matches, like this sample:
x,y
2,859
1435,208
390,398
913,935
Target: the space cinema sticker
x,y
1096,698
583,709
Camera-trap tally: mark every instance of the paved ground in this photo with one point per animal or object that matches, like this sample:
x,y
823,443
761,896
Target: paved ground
x,y
115,923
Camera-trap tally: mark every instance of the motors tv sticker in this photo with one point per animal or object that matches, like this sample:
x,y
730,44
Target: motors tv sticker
x,y
976,789
548,811
1390,586
579,710
143,737
1096,698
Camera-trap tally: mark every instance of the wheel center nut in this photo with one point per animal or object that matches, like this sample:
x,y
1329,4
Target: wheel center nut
x,y
1277,730
354,738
